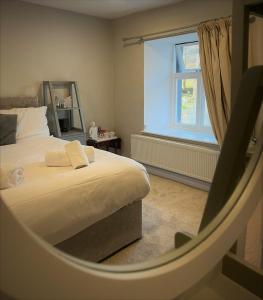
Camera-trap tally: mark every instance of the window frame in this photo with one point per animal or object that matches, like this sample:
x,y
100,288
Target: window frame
x,y
199,125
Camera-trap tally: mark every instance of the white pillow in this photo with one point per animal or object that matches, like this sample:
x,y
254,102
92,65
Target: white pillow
x,y
31,121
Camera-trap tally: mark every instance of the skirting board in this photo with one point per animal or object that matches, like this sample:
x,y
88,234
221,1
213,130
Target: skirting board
x,y
196,183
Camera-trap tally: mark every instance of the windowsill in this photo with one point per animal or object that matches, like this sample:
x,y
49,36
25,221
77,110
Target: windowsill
x,y
183,136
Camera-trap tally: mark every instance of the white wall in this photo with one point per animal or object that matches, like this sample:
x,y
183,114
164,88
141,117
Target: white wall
x,y
157,71
129,61
40,43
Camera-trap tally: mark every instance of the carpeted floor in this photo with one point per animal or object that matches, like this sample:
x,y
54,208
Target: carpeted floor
x,y
169,207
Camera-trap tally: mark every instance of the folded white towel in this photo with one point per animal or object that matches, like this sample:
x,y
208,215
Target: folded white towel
x,y
61,159
10,176
57,159
90,152
76,155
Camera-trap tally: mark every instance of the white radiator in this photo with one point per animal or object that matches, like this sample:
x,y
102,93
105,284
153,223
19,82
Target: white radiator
x,y
190,160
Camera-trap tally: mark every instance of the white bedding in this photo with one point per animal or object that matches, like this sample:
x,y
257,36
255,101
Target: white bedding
x,y
58,202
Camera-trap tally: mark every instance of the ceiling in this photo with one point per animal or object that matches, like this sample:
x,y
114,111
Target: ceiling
x,y
109,9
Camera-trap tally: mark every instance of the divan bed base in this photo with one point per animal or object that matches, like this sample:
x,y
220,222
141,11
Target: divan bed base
x,y
106,236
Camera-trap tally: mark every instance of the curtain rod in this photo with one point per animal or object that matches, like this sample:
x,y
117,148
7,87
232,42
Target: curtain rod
x,y
139,39
142,40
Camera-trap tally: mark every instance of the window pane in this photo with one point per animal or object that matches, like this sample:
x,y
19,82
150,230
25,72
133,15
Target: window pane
x,y
191,57
187,58
206,116
186,101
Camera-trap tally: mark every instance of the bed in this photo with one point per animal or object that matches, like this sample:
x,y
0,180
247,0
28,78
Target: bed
x,y
91,212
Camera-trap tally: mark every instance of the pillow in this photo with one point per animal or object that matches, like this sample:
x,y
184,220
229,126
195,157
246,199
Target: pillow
x,y
31,122
8,125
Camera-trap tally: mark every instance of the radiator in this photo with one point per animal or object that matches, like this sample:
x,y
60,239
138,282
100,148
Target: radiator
x,y
191,160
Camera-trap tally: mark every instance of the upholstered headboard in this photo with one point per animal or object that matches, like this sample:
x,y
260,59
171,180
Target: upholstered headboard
x,y
10,102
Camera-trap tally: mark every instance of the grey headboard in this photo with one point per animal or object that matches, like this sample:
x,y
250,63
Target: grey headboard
x,y
10,102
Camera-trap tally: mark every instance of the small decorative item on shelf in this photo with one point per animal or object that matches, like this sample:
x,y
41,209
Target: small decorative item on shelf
x,y
63,102
111,134
93,130
59,101
68,102
103,133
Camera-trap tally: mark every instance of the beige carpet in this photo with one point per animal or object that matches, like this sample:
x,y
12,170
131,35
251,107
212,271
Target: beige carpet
x,y
169,207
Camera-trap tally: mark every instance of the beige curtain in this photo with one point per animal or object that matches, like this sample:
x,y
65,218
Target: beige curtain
x,y
215,59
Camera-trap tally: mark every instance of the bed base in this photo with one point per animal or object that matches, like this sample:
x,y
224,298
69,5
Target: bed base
x,y
107,236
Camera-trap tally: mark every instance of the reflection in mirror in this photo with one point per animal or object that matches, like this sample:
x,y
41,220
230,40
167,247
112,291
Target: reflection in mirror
x,y
106,208
47,203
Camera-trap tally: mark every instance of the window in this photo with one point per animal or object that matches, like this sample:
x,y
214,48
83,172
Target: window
x,y
190,110
174,98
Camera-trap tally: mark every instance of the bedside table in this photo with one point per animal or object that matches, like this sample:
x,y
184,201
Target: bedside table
x,y
106,143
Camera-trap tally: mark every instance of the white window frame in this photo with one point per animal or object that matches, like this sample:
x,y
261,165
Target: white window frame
x,y
200,101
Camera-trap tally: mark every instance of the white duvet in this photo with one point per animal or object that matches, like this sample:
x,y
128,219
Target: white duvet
x,y
58,202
